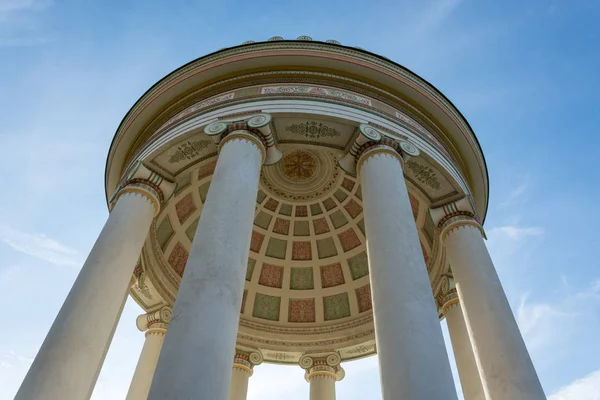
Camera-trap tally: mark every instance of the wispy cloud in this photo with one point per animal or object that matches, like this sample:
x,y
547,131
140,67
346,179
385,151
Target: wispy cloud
x,y
514,195
538,322
586,388
515,232
40,246
435,15
13,360
7,6
20,25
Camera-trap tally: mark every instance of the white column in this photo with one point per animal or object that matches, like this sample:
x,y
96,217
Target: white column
x,y
506,369
243,368
468,373
200,344
413,362
69,361
322,371
155,325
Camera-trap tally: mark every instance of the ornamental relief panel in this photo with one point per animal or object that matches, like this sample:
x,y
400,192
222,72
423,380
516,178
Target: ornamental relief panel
x,y
309,130
430,180
179,156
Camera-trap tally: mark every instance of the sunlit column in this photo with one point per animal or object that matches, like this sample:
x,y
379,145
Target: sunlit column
x,y
196,358
506,369
470,380
243,368
412,356
155,325
322,372
70,359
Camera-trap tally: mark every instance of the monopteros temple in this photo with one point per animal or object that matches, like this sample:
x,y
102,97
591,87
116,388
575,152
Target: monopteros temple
x,y
292,202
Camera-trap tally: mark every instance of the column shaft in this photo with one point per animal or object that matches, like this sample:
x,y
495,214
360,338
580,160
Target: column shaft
x,y
504,363
470,380
239,384
144,371
413,362
199,346
322,388
70,359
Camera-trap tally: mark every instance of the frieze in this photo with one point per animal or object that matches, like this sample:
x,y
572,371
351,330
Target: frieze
x,y
189,150
199,106
313,130
317,91
428,136
424,174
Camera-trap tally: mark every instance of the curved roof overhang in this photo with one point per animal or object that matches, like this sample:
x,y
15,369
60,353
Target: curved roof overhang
x,y
355,63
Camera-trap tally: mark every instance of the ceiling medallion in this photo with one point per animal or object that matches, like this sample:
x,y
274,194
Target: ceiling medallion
x,y
298,165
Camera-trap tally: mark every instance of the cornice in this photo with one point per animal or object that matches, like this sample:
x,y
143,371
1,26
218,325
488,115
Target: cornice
x,y
291,48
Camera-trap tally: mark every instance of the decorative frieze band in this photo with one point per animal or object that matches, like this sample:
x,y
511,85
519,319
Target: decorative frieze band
x,y
322,365
146,182
255,129
371,141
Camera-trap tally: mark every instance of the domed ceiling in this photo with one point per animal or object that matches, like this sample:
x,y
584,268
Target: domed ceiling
x,y
307,278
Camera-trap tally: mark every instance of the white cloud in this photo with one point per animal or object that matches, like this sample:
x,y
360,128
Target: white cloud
x,y
514,195
516,233
40,246
19,25
13,360
23,5
586,388
435,15
539,322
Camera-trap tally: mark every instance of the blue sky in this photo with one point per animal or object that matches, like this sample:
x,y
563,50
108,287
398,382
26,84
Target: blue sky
x,y
525,74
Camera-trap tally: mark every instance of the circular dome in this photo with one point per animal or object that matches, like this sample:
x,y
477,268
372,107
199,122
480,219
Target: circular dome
x,y
307,276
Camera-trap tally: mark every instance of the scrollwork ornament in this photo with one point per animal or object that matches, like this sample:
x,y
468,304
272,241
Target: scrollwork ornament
x,y
216,128
333,359
258,121
409,149
255,358
306,362
165,314
370,133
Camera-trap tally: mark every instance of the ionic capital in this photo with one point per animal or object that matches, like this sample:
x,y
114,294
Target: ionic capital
x,y
371,142
447,296
155,322
453,215
322,366
142,181
245,360
255,129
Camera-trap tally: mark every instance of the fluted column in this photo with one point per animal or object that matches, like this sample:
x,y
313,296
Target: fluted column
x,y
155,325
506,369
322,372
196,358
243,368
413,363
468,373
69,361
